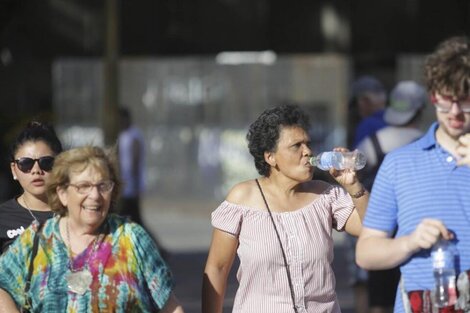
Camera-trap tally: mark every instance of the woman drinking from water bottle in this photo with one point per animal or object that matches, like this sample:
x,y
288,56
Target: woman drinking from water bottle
x,y
281,223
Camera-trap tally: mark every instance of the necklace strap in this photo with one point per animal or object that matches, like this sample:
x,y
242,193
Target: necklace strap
x,y
29,210
289,279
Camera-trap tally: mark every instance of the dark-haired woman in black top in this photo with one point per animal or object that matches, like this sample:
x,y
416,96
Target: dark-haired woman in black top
x,y
31,159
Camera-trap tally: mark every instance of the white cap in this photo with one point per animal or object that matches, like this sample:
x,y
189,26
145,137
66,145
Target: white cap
x,y
406,99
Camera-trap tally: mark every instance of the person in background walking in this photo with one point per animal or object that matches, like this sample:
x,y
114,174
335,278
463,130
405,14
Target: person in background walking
x,y
368,99
131,153
367,103
407,100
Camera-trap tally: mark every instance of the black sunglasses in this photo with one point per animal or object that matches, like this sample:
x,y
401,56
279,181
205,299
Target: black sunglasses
x,y
26,164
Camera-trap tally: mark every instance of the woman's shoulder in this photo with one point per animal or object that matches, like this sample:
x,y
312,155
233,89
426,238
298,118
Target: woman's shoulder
x,y
9,205
47,228
247,192
120,223
122,226
244,193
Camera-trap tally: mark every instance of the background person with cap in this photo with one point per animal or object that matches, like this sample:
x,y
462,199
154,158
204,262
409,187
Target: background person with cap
x,y
407,101
367,104
366,110
402,116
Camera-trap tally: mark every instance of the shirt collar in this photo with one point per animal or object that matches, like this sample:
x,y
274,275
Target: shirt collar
x,y
428,141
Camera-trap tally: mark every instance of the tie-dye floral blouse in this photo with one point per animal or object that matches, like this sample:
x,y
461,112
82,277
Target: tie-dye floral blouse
x,y
128,272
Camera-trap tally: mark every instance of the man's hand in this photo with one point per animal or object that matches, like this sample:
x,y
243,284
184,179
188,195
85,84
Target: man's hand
x,y
427,233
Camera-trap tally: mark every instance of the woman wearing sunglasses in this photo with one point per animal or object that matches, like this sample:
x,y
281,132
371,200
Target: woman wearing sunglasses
x,y
32,156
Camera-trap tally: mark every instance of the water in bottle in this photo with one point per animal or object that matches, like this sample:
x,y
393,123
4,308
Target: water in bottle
x,y
443,257
355,160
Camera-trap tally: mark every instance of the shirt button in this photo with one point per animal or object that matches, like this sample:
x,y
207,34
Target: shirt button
x,y
449,159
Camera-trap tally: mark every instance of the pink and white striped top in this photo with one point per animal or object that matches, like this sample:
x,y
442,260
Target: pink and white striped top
x,y
306,236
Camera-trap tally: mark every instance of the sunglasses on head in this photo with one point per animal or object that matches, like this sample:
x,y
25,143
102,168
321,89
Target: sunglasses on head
x,y
26,164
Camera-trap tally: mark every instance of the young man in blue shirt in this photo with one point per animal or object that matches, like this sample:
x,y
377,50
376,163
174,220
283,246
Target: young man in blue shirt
x,y
422,189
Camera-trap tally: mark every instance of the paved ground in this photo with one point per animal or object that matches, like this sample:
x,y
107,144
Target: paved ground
x,y
184,229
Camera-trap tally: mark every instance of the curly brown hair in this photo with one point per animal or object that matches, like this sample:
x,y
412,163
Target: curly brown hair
x,y
76,160
447,69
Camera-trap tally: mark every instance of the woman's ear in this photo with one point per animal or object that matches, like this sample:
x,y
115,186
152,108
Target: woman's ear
x,y
63,196
13,171
269,158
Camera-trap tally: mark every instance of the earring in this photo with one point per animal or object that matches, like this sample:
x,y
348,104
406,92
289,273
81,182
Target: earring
x,y
15,178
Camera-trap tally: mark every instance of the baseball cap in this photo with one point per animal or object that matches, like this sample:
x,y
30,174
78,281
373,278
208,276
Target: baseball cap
x,y
366,83
406,99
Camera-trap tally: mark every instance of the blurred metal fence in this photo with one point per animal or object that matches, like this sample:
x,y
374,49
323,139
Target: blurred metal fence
x,y
195,112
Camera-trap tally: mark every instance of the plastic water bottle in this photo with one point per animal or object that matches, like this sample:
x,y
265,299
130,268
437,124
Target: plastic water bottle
x,y
443,256
355,160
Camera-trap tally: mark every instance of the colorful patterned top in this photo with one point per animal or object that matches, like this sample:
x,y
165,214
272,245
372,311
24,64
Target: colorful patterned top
x,y
128,272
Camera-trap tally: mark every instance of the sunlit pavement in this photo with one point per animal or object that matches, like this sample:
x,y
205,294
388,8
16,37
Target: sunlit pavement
x,y
183,229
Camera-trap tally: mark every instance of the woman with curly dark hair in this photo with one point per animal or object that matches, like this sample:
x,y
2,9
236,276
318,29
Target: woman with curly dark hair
x,y
281,223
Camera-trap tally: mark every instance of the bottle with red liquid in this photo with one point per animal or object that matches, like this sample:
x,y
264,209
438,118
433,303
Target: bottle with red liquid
x,y
444,255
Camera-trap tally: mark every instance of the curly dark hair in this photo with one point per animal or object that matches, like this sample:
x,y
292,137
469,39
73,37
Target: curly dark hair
x,y
263,134
447,70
